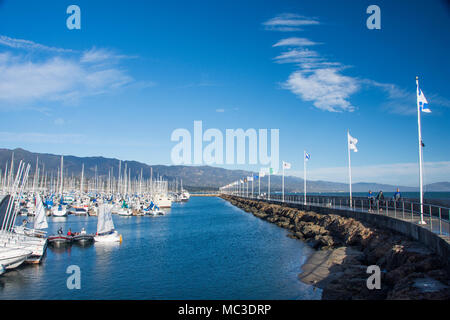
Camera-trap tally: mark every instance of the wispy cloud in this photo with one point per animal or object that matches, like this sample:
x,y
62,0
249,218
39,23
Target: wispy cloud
x,y
324,83
220,110
316,79
289,22
297,56
55,79
401,101
29,45
295,42
27,80
99,55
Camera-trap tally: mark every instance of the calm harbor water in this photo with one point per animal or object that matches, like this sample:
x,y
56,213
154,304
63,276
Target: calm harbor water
x,y
202,249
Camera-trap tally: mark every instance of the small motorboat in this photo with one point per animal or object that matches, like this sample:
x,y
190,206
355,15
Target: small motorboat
x,y
83,237
60,239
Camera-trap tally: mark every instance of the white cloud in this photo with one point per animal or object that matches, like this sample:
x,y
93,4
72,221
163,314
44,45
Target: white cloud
x,y
296,56
295,42
23,80
289,22
316,79
406,174
328,89
322,82
401,101
95,55
29,45
220,110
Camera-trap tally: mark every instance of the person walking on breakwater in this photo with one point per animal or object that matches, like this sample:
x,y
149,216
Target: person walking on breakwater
x,y
380,198
397,195
371,198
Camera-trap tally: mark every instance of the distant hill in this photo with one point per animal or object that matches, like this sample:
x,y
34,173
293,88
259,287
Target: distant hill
x,y
438,186
194,177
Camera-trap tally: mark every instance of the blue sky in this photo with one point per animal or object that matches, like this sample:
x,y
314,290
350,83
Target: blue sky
x,y
136,71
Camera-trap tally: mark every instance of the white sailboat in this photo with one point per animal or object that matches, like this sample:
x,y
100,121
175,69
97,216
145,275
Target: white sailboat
x,y
11,258
126,212
105,226
59,211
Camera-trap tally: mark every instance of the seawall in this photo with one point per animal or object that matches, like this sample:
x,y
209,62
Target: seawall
x,y
348,242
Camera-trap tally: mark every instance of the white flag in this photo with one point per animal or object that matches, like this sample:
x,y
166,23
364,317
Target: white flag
x,y
262,172
352,142
286,165
422,102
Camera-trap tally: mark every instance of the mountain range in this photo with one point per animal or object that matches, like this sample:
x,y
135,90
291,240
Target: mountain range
x,y
195,178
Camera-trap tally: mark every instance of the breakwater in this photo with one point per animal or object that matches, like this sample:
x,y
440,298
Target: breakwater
x,y
347,246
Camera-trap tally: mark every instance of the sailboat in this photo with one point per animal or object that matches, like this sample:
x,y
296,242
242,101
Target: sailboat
x,y
40,222
11,258
105,226
10,238
124,210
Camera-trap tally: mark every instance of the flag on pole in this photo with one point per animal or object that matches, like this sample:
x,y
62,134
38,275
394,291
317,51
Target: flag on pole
x,y
352,143
421,100
307,156
286,165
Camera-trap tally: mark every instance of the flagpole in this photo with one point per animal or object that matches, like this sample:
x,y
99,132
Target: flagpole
x,y
419,125
304,174
349,168
268,197
259,183
253,177
282,185
247,188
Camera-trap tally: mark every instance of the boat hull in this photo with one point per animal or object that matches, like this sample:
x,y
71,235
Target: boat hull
x,y
111,237
83,238
59,240
14,259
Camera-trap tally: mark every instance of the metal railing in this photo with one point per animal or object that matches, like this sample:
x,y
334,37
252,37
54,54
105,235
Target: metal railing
x,y
436,218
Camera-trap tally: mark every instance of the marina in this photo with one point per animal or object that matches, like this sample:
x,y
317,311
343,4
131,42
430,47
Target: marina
x,y
201,249
225,151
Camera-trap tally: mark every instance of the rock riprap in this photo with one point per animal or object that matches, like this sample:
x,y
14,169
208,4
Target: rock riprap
x,y
346,247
